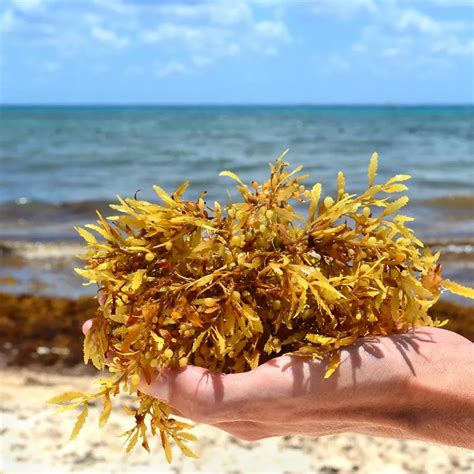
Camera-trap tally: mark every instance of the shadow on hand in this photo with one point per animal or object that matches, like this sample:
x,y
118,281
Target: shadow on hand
x,y
307,375
406,344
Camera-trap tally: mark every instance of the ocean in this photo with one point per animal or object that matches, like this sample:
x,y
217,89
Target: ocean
x,y
59,164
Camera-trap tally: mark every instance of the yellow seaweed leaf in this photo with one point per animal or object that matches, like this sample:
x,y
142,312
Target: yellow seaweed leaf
x,y
220,342
198,341
397,178
133,440
160,342
66,397
137,279
187,436
319,339
180,191
341,185
373,165
166,446
89,274
80,421
67,408
104,416
282,155
231,175
458,289
164,196
333,364
186,450
395,206
86,235
118,318
315,196
395,188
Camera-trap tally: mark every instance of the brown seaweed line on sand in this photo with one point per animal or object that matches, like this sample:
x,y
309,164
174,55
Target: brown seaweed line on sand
x,y
185,283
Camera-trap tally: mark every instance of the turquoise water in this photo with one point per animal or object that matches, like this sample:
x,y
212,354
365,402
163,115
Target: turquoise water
x,y
63,154
58,164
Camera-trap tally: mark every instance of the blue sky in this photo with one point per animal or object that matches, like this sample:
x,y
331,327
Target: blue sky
x,y
232,51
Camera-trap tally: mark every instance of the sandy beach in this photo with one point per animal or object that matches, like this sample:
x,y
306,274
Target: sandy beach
x,y
33,440
44,359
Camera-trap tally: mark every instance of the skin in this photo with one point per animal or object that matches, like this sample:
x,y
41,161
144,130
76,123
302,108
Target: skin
x,y
418,385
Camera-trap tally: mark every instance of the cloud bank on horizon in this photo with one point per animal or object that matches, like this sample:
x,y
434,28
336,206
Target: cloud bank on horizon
x,y
236,51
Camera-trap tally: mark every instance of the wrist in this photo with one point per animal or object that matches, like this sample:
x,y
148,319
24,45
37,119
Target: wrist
x,y
409,386
442,394
431,402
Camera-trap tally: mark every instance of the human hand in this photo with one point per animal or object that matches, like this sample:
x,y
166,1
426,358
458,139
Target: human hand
x,y
414,385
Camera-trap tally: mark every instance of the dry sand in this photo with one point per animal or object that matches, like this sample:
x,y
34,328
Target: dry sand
x,y
33,440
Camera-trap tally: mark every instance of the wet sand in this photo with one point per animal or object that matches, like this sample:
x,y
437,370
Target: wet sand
x,y
33,440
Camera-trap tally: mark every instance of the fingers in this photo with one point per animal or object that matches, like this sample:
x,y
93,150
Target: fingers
x,y
212,398
101,298
86,326
196,393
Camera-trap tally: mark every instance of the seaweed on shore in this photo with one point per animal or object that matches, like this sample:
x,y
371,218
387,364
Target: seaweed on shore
x,y
230,288
51,328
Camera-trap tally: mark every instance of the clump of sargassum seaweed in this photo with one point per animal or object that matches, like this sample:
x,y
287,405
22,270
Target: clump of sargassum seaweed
x,y
229,289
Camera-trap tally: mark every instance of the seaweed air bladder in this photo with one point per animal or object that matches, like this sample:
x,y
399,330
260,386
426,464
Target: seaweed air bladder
x,y
229,287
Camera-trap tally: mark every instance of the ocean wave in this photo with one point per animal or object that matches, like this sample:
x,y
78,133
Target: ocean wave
x,y
441,220
25,212
39,250
12,249
462,200
449,202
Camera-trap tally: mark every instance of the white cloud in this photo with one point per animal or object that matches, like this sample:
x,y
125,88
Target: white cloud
x,y
27,5
116,6
197,33
231,13
212,42
404,36
344,8
109,37
411,20
175,32
273,30
212,30
173,68
452,46
215,12
7,21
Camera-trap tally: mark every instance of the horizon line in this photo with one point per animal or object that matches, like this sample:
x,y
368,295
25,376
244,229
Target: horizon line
x,y
237,104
